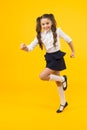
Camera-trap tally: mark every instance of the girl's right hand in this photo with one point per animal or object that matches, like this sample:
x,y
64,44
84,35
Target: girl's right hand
x,y
23,47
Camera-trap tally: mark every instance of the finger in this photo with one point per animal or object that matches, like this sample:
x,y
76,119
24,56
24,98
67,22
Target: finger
x,y
22,46
72,56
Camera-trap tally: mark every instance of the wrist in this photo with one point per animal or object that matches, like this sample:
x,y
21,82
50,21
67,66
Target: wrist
x,y
26,49
73,51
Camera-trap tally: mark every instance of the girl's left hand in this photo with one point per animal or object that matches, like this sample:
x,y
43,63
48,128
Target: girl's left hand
x,y
72,55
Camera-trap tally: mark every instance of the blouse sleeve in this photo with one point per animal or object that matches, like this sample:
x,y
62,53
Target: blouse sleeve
x,y
64,36
33,44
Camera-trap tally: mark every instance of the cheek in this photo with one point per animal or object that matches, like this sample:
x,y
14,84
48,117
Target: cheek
x,y
42,27
51,25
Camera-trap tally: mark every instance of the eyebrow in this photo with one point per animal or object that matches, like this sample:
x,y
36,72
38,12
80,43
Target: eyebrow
x,y
45,23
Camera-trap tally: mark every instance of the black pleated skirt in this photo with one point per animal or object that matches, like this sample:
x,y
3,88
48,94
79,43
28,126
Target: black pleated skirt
x,y
55,60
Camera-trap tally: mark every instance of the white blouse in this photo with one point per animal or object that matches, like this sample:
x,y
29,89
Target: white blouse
x,y
47,39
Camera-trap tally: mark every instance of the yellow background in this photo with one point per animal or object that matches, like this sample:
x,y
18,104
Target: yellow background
x,y
26,102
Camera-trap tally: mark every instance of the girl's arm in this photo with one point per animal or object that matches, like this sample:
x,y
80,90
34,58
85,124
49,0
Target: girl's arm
x,y
29,47
24,47
72,49
68,40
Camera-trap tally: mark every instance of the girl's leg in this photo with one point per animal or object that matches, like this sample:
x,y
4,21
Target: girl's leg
x,y
49,74
61,94
62,79
45,74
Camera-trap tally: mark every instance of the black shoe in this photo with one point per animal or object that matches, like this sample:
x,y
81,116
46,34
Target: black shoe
x,y
58,111
65,83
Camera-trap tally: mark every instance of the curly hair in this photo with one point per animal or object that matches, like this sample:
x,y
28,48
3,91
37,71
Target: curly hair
x,y
53,28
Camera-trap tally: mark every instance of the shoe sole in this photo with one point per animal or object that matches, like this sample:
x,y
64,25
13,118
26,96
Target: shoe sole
x,y
59,111
64,88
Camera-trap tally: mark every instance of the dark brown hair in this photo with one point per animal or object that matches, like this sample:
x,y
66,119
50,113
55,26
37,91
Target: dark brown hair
x,y
53,28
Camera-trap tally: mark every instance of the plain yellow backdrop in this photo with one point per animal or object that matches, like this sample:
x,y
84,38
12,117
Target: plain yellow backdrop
x,y
26,102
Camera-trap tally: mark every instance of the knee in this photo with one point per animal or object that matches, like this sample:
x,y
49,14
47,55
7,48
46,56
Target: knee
x,y
41,76
58,83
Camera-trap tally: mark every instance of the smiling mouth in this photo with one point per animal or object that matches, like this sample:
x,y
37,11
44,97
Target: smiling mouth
x,y
46,28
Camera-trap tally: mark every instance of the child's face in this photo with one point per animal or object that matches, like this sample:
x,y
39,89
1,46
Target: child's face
x,y
46,24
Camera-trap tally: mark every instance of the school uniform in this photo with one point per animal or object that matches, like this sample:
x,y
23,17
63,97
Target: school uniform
x,y
54,56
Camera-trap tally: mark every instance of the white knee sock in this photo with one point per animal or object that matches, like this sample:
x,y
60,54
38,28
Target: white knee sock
x,y
61,95
56,78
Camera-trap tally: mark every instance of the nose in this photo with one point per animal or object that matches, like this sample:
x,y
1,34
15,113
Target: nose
x,y
45,25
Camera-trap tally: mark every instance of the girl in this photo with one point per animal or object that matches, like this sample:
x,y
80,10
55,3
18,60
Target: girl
x,y
48,36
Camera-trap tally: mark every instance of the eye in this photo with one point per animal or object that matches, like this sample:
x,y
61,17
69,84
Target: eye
x,y
42,24
47,23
